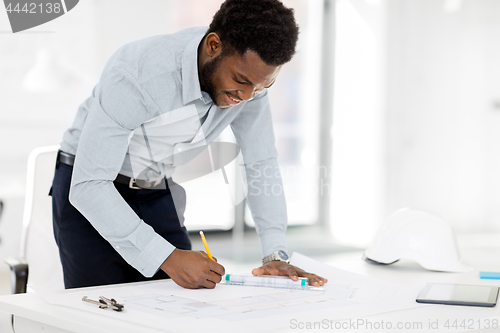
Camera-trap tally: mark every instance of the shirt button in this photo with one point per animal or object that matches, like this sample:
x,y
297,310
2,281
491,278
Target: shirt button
x,y
117,247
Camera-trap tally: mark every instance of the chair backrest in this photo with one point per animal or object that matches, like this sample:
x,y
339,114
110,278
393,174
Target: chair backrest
x,y
38,246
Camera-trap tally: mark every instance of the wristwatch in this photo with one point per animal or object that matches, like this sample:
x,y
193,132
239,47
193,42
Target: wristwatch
x,y
278,256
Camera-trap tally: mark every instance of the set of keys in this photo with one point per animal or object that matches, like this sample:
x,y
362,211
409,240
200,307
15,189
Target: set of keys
x,y
105,303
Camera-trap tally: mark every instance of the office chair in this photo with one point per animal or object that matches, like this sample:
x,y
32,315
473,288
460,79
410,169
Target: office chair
x,y
38,253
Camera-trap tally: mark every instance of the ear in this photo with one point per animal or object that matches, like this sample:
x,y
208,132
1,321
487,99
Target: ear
x,y
213,45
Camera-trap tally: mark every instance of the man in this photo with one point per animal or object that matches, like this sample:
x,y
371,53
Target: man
x,y
158,102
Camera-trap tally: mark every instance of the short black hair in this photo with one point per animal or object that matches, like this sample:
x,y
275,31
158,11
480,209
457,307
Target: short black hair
x,y
266,27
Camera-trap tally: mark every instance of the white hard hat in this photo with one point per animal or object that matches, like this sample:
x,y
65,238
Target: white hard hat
x,y
416,235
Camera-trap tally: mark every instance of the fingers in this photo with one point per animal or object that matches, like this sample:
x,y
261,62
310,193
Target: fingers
x,y
284,269
214,277
292,274
216,267
209,284
193,269
211,280
315,280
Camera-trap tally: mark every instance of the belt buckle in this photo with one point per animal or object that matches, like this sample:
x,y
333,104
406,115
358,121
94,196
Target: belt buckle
x,y
133,185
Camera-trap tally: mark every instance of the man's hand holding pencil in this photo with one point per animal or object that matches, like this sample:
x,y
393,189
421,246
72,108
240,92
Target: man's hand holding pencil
x,y
194,269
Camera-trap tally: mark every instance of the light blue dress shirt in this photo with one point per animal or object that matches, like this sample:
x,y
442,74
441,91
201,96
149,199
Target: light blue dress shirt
x,y
146,109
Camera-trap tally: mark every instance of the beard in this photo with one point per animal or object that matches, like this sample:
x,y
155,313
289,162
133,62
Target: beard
x,y
207,75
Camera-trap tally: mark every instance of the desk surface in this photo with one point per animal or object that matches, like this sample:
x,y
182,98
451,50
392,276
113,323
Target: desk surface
x,y
34,308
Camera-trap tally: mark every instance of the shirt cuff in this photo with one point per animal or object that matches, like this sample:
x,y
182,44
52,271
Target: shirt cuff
x,y
272,242
153,255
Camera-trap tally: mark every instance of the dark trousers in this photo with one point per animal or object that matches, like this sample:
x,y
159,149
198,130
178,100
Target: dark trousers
x,y
87,258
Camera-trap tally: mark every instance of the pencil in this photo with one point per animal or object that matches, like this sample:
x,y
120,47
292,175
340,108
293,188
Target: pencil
x,y
206,245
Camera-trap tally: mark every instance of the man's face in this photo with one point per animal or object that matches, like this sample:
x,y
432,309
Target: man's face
x,y
230,79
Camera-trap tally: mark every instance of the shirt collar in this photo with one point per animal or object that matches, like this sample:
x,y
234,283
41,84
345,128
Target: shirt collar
x,y
191,89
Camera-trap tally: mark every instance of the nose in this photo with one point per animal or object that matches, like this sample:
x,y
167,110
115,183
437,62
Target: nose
x,y
248,94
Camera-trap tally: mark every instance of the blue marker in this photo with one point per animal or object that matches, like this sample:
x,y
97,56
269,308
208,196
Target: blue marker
x,y
490,275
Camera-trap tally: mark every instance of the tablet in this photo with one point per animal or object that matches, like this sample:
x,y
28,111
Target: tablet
x,y
459,294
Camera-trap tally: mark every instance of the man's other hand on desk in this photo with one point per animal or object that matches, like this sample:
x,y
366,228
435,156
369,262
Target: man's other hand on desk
x,y
283,269
193,269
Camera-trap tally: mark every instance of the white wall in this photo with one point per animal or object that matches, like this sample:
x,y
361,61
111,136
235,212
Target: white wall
x,y
443,128
417,114
77,45
358,121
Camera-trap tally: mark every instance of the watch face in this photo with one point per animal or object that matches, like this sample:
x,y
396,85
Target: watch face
x,y
283,255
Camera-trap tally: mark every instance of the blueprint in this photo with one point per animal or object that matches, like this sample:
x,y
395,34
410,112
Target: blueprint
x,y
276,302
160,304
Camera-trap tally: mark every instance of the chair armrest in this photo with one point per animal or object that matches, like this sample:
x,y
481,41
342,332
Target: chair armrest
x,y
18,275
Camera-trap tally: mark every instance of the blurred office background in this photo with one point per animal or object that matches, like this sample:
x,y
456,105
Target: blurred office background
x,y
387,104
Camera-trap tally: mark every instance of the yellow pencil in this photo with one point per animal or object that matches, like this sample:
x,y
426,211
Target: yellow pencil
x,y
206,245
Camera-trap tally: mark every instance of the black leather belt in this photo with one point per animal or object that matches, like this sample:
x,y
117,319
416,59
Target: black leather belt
x,y
136,184
65,158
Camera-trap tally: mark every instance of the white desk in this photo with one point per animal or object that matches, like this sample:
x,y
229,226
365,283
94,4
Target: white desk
x,y
411,274
33,314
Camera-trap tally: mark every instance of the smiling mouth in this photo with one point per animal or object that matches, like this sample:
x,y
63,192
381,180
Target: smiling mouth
x,y
233,99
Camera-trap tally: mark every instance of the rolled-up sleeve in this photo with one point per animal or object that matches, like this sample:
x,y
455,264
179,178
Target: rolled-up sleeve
x,y
254,132
118,107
